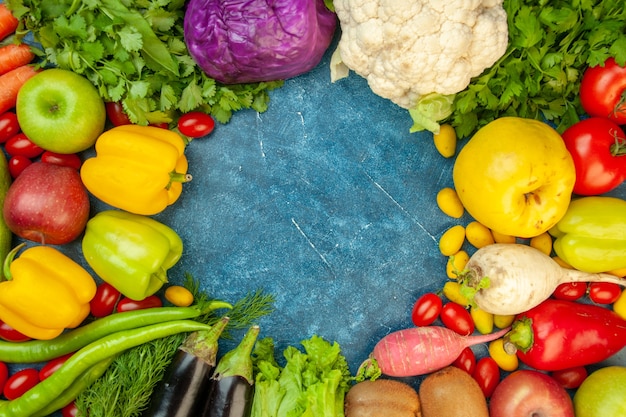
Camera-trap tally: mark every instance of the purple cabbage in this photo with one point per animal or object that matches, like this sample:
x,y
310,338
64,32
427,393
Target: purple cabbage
x,y
245,41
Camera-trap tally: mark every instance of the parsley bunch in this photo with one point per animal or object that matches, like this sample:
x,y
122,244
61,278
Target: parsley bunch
x,y
551,43
134,53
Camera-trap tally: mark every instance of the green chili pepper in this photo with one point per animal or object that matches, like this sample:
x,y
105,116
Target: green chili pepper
x,y
131,252
34,351
80,384
591,236
38,397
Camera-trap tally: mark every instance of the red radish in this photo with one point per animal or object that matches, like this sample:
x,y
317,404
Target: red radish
x,y
511,278
421,350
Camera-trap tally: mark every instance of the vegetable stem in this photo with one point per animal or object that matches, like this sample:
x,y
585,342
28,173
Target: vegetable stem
x,y
238,361
520,337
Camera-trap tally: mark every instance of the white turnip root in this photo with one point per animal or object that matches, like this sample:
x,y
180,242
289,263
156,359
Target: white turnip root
x,y
511,278
420,350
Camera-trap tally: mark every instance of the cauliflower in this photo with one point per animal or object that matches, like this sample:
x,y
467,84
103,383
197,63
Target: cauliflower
x,y
419,53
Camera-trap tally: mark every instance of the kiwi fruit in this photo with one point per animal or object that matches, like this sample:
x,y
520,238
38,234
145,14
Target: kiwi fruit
x,y
452,392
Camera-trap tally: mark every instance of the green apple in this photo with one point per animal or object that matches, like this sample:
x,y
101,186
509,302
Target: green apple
x,y
61,111
602,393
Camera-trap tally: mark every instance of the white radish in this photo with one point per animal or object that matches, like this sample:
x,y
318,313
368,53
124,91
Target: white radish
x,y
511,278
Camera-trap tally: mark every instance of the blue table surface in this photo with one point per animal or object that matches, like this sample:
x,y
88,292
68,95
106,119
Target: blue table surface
x,y
325,201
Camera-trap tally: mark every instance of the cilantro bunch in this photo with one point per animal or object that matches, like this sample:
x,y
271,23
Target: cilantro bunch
x,y
551,43
134,53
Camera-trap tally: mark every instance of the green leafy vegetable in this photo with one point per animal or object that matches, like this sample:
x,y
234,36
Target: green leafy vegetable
x,y
134,52
312,383
125,389
551,43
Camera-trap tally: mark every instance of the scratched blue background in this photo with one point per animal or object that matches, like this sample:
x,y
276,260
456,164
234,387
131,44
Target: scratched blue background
x,y
327,202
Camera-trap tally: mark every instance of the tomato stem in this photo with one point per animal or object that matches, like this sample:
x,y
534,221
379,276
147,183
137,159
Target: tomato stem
x,y
618,147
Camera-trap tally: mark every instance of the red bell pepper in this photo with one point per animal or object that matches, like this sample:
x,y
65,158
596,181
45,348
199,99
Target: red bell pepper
x,y
561,334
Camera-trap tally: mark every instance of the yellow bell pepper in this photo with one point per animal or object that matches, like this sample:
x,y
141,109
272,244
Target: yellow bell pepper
x,y
139,169
46,292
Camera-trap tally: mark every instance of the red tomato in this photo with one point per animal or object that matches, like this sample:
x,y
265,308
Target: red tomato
x,y
571,291
116,114
126,304
69,410
487,374
455,317
9,334
426,309
17,164
161,125
103,303
9,126
52,365
602,91
195,124
4,375
466,361
597,146
20,382
71,160
20,144
604,292
570,378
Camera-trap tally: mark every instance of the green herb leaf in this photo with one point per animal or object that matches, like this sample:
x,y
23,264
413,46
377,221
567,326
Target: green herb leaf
x,y
551,43
135,53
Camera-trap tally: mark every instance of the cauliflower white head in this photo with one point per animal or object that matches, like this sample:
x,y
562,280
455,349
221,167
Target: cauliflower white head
x,y
407,49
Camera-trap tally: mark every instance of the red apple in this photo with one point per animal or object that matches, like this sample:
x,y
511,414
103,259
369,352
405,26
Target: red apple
x,y
528,392
47,203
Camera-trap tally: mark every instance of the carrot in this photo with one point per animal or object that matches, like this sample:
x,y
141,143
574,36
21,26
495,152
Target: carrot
x,y
419,351
511,278
8,22
13,56
10,84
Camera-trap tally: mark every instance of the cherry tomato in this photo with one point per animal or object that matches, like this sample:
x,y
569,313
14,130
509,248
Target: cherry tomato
x,y
602,91
71,160
126,304
20,144
116,114
570,378
9,334
426,309
466,361
161,125
597,146
9,126
103,303
455,317
604,292
487,374
20,382
195,124
52,365
571,291
17,164
70,410
4,375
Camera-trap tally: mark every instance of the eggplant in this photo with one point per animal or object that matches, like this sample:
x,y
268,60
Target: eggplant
x,y
232,385
183,390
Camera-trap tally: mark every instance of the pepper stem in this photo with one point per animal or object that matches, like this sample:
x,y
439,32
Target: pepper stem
x,y
6,266
203,344
238,362
520,337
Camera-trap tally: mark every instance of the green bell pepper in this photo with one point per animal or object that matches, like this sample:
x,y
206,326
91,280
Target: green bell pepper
x,y
591,236
131,252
